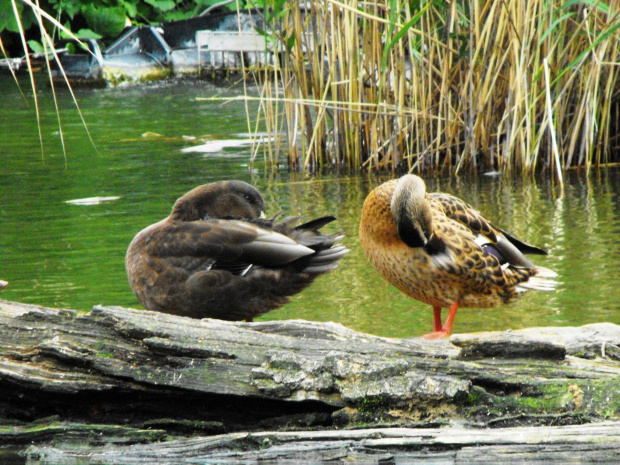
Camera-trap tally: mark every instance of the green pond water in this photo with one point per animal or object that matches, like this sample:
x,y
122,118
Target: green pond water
x,y
61,254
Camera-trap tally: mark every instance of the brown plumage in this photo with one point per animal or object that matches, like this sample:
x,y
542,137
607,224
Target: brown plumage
x,y
441,251
217,256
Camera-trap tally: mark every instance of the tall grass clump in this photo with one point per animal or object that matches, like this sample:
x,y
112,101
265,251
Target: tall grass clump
x,y
481,84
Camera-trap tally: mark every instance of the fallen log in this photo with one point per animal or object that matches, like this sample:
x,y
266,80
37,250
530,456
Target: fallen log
x,y
591,443
128,377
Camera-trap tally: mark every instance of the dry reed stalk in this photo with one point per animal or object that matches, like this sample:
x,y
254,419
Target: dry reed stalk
x,y
44,20
446,86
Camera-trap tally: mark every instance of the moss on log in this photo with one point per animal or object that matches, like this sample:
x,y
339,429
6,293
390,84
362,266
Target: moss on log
x,y
154,375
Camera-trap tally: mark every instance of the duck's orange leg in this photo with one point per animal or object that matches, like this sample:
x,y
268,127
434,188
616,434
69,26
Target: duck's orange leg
x,y
450,320
445,330
436,318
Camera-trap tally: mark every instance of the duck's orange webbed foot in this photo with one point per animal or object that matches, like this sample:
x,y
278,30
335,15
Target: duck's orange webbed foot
x,y
436,335
439,331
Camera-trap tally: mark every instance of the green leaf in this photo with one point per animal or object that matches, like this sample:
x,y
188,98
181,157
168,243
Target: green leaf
x,y
177,15
7,16
87,34
290,42
553,26
130,7
600,6
161,5
386,48
609,31
63,34
68,8
262,32
36,46
400,34
107,21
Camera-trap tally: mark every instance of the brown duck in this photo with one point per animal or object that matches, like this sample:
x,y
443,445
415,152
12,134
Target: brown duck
x,y
441,251
217,256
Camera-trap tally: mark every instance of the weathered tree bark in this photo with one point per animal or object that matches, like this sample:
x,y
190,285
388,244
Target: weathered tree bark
x,y
121,378
593,443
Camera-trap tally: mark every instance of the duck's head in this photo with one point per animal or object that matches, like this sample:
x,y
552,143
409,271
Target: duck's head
x,y
411,211
223,200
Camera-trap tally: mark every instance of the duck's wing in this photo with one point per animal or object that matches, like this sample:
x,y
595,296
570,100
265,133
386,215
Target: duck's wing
x,y
503,246
228,244
457,210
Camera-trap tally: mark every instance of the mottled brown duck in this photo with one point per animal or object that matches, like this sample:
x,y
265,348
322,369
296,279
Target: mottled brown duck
x,y
439,250
217,256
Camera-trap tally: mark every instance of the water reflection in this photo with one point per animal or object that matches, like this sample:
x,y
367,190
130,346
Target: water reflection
x,y
63,255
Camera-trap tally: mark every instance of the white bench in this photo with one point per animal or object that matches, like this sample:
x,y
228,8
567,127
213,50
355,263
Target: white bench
x,y
228,41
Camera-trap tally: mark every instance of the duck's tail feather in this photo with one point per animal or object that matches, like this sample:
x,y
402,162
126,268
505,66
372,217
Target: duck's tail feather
x,y
316,224
543,272
522,246
326,251
542,281
325,260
